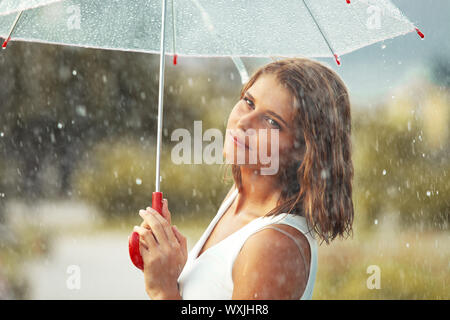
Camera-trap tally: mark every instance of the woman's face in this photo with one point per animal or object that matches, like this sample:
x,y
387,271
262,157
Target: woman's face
x,y
265,105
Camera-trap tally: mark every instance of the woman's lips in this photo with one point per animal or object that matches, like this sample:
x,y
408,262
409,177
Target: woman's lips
x,y
239,142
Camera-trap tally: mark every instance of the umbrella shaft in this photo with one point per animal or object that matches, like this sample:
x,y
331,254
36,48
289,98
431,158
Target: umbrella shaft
x,y
160,96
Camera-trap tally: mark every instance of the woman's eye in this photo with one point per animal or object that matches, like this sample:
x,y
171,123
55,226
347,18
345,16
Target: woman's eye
x,y
273,123
248,102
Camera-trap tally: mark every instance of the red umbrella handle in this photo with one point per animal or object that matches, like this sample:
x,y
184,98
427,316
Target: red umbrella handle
x,y
133,241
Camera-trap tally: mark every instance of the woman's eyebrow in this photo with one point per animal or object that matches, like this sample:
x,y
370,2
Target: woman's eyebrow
x,y
270,112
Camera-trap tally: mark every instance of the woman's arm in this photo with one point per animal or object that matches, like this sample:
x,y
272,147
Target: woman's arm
x,y
270,266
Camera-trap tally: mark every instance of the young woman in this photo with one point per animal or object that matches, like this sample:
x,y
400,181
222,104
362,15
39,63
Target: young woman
x,y
262,242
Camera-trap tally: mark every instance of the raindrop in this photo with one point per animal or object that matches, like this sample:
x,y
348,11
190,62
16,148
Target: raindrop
x,y
138,181
429,193
104,79
423,155
420,137
2,195
115,174
376,221
383,46
60,125
231,75
407,245
1,134
74,72
81,110
143,95
409,125
384,172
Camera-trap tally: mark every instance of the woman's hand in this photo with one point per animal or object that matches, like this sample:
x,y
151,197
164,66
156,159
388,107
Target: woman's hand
x,y
164,252
164,212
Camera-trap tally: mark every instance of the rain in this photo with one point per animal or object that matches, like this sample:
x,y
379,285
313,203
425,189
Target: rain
x,y
78,147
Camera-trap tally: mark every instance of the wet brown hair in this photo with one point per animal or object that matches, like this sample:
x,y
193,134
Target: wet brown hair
x,y
320,186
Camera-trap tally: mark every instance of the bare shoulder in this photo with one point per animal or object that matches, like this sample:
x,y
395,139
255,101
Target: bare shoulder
x,y
270,265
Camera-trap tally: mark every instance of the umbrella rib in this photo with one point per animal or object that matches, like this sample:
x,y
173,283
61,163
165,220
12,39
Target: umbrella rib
x,y
336,57
8,37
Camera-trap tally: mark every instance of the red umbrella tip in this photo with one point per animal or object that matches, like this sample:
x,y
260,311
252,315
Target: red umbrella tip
x,y
348,1
420,33
5,43
336,57
175,59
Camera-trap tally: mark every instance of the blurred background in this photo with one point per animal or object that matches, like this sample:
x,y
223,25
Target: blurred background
x,y
77,162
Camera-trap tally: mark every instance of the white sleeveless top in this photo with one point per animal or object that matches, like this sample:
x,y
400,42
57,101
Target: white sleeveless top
x,y
209,277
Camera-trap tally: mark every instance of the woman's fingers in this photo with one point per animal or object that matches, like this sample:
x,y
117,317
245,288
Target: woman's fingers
x,y
181,239
167,228
142,243
150,216
165,211
147,237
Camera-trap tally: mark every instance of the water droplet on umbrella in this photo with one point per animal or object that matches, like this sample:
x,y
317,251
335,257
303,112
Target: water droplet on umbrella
x,y
384,172
74,72
138,181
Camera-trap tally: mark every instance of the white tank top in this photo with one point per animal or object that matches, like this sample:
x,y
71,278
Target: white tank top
x,y
209,277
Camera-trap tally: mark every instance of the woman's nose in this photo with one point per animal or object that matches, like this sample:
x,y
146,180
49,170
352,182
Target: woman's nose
x,y
247,122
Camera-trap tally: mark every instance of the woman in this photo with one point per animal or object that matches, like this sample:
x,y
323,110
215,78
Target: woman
x,y
262,242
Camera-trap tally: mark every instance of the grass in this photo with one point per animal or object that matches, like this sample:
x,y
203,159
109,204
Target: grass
x,y
412,266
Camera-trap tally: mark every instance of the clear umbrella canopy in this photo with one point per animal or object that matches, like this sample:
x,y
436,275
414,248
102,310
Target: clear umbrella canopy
x,y
319,28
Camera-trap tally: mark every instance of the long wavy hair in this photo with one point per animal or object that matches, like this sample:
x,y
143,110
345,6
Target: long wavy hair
x,y
319,187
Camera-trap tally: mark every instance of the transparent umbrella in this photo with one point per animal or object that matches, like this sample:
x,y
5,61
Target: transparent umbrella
x,y
204,28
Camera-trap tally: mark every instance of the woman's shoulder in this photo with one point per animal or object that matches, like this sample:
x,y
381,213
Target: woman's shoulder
x,y
274,256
